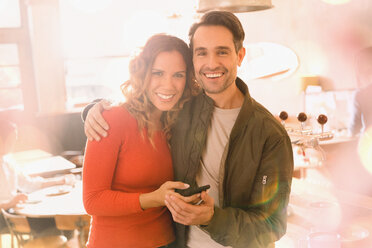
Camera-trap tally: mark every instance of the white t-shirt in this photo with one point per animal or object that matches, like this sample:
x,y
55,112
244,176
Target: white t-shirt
x,y
209,172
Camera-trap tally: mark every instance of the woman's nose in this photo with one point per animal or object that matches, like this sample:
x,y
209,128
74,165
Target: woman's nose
x,y
167,82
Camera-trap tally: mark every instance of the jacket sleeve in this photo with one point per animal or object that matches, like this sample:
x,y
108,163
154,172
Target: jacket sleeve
x,y
86,109
100,162
264,221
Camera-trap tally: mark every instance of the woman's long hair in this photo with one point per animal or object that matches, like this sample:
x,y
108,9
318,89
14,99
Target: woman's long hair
x,y
137,102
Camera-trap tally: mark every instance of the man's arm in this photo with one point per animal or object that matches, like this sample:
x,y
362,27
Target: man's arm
x,y
95,125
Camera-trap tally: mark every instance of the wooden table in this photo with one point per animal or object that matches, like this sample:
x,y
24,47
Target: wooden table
x,y
37,163
52,201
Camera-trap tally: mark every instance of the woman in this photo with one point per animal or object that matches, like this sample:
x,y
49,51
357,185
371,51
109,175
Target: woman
x,y
127,175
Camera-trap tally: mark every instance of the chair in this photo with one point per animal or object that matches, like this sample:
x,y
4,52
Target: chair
x,y
20,228
4,230
80,223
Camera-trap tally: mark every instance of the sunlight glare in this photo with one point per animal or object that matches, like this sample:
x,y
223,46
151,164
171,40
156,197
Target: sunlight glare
x,y
116,73
138,28
365,149
336,2
314,61
90,6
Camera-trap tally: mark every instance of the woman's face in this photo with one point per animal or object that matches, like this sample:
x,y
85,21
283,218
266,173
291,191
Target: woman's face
x,y
167,81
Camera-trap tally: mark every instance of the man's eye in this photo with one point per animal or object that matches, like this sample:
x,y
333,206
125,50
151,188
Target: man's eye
x,y
222,52
201,53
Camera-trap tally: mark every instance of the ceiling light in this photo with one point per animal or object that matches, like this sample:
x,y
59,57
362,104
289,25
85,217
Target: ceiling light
x,y
234,5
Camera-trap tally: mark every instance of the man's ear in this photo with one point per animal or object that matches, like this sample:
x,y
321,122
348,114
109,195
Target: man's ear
x,y
241,55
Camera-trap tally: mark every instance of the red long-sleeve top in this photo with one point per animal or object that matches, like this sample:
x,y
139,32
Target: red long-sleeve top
x,y
116,171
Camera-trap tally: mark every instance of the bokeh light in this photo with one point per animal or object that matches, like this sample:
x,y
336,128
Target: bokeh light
x,y
336,2
365,149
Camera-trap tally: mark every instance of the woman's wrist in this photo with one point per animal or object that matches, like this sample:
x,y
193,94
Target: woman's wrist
x,y
148,200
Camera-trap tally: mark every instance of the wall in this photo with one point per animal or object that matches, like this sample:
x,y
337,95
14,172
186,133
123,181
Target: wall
x,y
53,133
325,38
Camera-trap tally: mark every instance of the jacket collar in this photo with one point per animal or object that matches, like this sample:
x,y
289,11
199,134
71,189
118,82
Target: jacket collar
x,y
245,112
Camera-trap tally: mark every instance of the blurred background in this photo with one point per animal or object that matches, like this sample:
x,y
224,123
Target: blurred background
x,y
56,56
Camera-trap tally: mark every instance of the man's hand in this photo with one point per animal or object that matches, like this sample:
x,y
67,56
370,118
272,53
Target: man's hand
x,y
188,214
95,126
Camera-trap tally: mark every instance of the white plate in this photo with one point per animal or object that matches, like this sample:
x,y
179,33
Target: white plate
x,y
58,190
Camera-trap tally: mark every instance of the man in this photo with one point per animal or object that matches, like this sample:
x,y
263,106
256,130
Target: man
x,y
224,138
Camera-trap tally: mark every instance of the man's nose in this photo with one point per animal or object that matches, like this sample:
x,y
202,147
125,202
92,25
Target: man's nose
x,y
212,61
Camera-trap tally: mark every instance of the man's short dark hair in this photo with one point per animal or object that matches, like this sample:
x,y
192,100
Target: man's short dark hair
x,y
221,18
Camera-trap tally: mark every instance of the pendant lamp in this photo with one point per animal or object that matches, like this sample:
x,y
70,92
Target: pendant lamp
x,y
235,6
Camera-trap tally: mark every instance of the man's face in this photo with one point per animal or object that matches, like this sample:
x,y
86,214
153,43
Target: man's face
x,y
215,59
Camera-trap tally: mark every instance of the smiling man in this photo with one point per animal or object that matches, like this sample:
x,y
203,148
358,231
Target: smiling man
x,y
224,138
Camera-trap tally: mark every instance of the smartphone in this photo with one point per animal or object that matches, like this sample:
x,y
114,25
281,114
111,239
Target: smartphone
x,y
192,191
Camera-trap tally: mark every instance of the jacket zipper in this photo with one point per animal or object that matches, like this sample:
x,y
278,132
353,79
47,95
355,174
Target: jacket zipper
x,y
264,179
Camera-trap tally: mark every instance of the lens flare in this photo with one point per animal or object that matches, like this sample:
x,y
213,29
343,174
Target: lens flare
x,y
365,149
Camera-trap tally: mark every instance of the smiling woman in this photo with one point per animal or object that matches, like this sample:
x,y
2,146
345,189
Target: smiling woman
x,y
128,174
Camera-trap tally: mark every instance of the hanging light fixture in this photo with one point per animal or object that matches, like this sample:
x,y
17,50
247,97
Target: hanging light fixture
x,y
234,5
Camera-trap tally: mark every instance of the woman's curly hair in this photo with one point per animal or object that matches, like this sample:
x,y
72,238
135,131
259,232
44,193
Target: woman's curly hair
x,y
137,103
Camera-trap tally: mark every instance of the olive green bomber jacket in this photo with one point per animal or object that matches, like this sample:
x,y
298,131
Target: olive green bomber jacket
x,y
256,175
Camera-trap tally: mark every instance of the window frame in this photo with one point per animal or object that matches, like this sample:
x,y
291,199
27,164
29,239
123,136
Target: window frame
x,y
20,36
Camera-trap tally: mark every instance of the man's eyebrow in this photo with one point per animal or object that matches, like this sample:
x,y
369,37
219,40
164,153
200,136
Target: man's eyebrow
x,y
217,48
224,48
200,49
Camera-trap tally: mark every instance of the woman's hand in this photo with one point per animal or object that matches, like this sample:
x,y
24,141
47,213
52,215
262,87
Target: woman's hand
x,y
157,197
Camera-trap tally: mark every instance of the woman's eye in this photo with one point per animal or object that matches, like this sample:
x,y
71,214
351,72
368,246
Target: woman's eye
x,y
157,73
179,75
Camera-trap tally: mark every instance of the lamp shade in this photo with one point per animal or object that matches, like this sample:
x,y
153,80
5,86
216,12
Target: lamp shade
x,y
235,6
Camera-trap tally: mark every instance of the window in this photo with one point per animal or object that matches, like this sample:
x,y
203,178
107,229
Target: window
x,y
79,51
16,73
10,78
9,14
10,81
100,37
